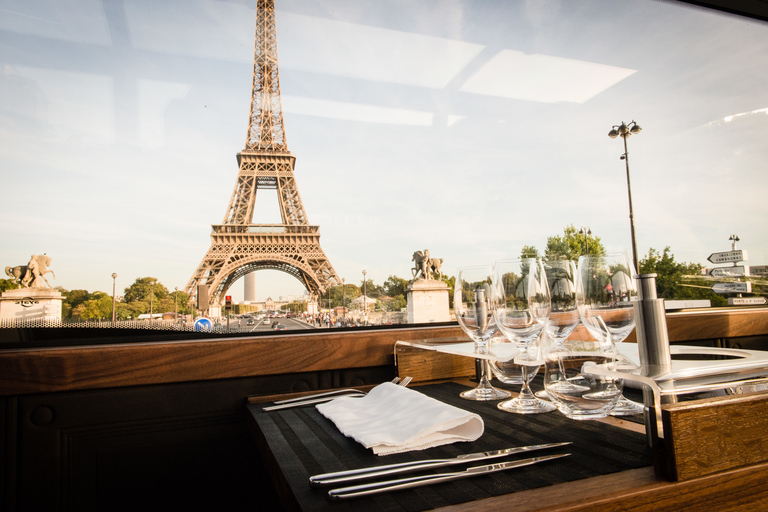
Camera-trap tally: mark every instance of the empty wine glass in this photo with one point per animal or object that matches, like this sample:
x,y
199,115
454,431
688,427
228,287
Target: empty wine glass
x,y
564,316
474,312
509,372
605,294
521,309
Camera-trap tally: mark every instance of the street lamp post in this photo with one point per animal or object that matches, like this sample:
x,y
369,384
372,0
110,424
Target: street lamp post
x,y
365,305
623,130
114,276
343,303
586,232
176,305
151,301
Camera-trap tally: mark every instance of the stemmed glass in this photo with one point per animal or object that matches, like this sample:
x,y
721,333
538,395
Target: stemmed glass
x,y
564,315
605,293
521,309
474,312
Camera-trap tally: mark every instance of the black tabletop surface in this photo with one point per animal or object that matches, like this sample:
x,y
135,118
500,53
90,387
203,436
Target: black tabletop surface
x,y
304,443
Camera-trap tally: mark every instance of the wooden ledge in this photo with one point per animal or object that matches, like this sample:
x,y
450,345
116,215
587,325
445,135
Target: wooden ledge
x,y
45,370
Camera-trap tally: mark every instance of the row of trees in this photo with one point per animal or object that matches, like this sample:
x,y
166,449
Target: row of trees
x,y
145,294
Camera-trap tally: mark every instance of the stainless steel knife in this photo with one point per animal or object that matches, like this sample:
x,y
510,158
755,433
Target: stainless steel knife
x,y
358,491
407,467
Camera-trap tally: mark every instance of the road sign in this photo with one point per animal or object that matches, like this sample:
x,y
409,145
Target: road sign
x,y
728,256
758,270
746,301
203,324
736,271
732,288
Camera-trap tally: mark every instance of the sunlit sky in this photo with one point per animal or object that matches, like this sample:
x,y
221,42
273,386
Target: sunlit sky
x,y
469,128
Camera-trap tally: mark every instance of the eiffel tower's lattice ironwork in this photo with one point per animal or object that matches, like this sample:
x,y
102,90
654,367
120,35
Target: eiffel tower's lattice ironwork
x,y
238,246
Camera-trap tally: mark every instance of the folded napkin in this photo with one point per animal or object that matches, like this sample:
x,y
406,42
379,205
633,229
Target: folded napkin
x,y
393,419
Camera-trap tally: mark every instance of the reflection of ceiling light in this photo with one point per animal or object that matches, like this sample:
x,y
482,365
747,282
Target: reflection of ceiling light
x,y
356,112
370,53
514,74
728,119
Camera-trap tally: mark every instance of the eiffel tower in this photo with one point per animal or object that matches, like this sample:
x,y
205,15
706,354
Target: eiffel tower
x,y
239,247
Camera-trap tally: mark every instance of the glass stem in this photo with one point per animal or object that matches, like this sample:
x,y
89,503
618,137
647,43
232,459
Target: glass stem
x,y
525,392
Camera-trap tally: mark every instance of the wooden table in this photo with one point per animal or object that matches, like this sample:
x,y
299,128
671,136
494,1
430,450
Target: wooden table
x,y
297,443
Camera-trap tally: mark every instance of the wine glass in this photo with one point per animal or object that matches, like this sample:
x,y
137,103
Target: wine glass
x,y
521,309
474,312
564,316
605,295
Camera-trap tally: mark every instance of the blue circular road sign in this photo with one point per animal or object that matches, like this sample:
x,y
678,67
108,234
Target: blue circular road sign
x,y
203,324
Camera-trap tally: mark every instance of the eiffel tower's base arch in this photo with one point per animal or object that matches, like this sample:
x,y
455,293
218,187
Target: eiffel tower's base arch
x,y
298,255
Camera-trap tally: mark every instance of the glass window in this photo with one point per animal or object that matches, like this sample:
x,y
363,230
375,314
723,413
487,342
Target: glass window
x,y
473,130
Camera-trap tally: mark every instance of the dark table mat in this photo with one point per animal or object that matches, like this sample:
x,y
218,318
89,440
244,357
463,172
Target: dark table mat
x,y
305,443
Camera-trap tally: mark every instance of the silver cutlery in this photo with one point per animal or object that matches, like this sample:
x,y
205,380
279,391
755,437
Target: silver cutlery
x,y
358,491
318,395
310,401
326,396
407,467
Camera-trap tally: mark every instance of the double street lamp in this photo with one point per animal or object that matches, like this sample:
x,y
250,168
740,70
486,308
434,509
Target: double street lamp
x,y
151,301
365,305
114,276
586,232
625,130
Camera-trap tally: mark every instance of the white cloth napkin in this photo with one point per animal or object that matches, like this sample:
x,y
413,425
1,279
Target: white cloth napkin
x,y
393,419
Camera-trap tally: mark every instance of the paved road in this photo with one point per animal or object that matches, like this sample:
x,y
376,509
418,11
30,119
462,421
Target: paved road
x,y
241,325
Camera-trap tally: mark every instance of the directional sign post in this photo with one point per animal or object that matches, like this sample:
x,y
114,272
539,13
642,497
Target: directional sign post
x,y
728,256
735,271
758,270
732,288
746,301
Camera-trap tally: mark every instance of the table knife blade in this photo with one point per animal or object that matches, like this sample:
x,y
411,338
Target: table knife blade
x,y
359,491
343,477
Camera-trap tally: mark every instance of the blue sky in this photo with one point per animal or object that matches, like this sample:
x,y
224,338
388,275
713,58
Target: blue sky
x,y
469,128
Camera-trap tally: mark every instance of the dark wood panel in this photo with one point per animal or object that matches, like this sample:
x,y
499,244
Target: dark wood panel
x,y
181,446
57,369
714,324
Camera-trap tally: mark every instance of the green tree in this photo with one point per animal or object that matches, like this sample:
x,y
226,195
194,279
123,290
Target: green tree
x,y
97,307
395,286
72,299
529,251
670,277
572,245
397,303
7,284
342,294
141,289
371,289
183,302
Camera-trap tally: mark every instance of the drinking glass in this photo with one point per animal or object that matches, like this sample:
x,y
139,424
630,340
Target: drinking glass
x,y
521,309
474,312
509,372
577,392
605,295
564,315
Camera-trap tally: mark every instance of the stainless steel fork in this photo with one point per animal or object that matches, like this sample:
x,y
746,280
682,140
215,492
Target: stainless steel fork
x,y
326,396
